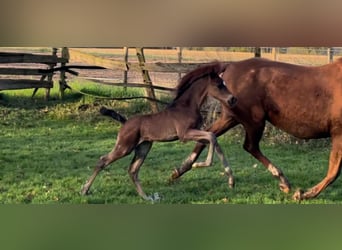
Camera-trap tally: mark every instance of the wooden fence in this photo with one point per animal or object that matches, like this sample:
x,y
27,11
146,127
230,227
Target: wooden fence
x,y
177,66
32,74
141,65
124,65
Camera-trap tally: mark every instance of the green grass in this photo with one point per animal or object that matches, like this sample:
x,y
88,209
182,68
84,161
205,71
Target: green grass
x,y
49,149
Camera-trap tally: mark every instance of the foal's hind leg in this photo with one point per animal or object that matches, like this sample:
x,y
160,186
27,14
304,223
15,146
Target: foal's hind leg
x,y
332,174
251,145
141,152
104,161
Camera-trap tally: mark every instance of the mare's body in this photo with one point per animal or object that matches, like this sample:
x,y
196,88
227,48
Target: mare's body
x,y
303,101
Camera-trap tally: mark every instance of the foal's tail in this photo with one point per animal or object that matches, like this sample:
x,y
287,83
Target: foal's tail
x,y
113,114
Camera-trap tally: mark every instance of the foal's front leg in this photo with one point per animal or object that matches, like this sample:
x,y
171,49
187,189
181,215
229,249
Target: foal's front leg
x,y
199,135
211,138
219,127
227,170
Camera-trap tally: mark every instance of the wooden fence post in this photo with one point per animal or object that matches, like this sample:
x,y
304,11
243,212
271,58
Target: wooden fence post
x,y
180,54
62,79
50,76
275,54
257,52
147,80
330,55
125,71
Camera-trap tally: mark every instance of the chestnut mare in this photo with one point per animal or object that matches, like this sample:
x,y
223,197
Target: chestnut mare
x,y
303,101
181,120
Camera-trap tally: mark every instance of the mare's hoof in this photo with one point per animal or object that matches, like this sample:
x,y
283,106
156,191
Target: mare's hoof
x,y
298,195
309,194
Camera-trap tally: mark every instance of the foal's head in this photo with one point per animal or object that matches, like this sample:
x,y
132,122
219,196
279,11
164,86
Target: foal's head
x,y
208,77
217,89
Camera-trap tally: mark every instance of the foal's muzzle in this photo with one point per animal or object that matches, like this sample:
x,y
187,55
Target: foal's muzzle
x,y
232,100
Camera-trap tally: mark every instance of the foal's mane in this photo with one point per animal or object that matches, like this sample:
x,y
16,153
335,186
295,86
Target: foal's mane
x,y
201,71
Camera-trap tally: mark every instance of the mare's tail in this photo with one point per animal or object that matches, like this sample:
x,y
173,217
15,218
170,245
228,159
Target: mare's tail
x,y
113,114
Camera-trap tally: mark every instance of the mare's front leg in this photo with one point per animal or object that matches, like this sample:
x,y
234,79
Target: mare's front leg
x,y
219,127
141,152
253,136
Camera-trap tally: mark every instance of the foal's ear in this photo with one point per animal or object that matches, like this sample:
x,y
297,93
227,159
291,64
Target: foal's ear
x,y
223,67
213,74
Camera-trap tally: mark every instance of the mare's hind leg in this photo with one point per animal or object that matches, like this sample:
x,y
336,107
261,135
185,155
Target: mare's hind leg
x,y
251,145
141,152
104,161
332,174
219,127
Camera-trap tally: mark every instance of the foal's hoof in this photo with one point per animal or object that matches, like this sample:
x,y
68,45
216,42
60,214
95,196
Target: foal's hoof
x,y
298,195
175,174
153,198
231,183
84,191
284,188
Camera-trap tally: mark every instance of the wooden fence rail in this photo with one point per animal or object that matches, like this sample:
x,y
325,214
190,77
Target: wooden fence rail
x,y
11,57
160,67
29,65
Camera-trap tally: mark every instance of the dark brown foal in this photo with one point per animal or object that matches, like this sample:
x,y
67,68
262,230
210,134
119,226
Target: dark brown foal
x,y
181,120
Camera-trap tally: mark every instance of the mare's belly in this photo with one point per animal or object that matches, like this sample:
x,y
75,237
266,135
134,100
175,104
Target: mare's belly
x,y
301,128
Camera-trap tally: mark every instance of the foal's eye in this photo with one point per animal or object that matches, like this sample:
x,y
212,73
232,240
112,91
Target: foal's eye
x,y
221,85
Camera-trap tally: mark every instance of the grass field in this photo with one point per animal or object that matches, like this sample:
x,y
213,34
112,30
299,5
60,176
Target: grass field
x,y
49,149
